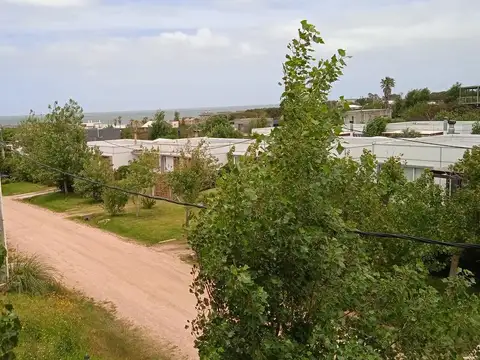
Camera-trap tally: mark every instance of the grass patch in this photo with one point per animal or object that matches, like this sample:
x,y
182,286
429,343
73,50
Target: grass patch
x,y
69,326
163,222
58,324
17,188
62,203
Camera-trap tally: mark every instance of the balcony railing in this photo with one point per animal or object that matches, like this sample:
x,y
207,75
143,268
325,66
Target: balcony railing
x,y
469,100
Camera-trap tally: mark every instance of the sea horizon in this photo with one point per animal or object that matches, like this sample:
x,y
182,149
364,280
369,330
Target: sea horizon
x,y
107,117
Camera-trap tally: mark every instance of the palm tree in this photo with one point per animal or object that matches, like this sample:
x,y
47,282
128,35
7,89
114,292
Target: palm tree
x,y
387,85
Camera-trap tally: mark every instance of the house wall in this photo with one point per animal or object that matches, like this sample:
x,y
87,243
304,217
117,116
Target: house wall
x,y
365,115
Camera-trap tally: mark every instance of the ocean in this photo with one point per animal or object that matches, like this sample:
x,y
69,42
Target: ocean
x,y
107,117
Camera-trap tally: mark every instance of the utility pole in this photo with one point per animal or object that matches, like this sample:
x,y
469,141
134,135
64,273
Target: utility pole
x,y
2,230
1,143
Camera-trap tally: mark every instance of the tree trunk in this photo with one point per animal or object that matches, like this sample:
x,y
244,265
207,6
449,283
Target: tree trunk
x,y
454,265
65,187
137,203
187,216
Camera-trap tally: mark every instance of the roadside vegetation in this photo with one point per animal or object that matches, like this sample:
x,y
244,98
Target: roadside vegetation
x,y
150,226
59,324
21,187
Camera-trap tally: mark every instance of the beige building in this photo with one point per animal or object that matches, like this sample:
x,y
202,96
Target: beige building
x,y
364,115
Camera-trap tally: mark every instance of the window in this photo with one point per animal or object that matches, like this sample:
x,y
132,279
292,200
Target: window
x,y
163,161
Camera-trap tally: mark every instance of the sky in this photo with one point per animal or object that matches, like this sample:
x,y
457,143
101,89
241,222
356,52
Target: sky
x,y
113,55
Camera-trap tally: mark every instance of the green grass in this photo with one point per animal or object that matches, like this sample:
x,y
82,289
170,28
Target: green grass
x,y
163,222
62,203
69,326
16,188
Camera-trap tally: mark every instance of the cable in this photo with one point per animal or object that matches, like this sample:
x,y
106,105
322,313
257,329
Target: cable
x,y
130,192
416,238
199,206
418,141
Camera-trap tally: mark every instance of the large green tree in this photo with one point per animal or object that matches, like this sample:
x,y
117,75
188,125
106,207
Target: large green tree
x,y
99,171
279,275
161,128
142,176
57,140
196,171
218,126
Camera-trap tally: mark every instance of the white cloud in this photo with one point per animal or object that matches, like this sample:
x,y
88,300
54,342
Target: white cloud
x,y
206,52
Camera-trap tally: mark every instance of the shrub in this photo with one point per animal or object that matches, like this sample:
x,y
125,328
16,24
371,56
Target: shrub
x,y
114,201
476,128
376,126
122,172
422,111
148,203
29,275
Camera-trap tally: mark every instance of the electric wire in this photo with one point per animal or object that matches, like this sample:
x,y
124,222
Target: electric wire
x,y
201,206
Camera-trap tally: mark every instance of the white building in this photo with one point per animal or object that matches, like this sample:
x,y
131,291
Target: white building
x,y
434,152
121,152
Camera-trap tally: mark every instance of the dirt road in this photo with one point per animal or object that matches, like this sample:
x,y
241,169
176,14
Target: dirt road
x,y
147,286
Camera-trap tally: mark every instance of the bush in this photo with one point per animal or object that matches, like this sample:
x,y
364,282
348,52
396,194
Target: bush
x,y
376,126
122,172
29,275
422,111
148,203
114,201
476,128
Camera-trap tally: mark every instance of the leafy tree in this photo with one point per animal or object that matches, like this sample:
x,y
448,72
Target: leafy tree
x,y
176,116
376,127
95,168
279,277
218,126
421,111
114,201
122,172
57,140
257,123
462,210
452,94
196,171
142,176
387,84
145,120
416,96
127,133
161,128
476,128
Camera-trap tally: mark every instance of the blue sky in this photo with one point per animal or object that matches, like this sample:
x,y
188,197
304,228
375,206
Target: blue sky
x,y
147,54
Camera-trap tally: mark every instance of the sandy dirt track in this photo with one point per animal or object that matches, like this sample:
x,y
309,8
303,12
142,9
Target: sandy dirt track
x,y
148,287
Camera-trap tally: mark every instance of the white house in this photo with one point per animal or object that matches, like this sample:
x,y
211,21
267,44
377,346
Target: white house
x,y
417,154
121,152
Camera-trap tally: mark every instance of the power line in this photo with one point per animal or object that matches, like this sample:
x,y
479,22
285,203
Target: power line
x,y
126,191
200,206
416,238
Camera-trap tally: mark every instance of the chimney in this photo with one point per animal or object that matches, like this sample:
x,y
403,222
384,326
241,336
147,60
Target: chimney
x,y
451,126
351,128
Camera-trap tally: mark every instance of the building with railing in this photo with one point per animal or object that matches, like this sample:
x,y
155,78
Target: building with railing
x,y
469,95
